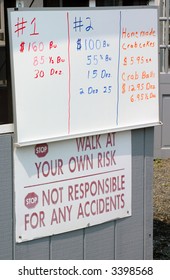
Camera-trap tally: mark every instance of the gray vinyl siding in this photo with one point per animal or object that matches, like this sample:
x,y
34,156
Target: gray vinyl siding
x,y
162,132
127,238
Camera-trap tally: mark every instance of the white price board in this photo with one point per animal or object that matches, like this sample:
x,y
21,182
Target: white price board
x,y
83,71
67,185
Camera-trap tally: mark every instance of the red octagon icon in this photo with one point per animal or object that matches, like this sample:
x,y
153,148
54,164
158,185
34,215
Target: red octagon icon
x,y
41,150
31,200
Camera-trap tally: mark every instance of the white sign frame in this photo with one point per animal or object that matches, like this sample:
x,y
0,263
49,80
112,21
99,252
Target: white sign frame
x,y
99,90
73,184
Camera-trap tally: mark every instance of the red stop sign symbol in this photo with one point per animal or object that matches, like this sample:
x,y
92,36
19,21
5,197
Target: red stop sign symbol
x,y
41,150
31,200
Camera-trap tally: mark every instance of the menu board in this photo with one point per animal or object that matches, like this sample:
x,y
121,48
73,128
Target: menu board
x,y
81,72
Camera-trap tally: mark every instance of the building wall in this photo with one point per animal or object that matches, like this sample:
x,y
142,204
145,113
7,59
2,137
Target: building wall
x,y
127,238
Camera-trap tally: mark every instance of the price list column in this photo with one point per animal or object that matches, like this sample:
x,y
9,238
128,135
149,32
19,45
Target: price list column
x,y
138,87
39,58
93,64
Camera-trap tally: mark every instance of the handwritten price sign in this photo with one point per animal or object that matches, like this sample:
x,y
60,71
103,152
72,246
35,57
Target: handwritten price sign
x,y
87,77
